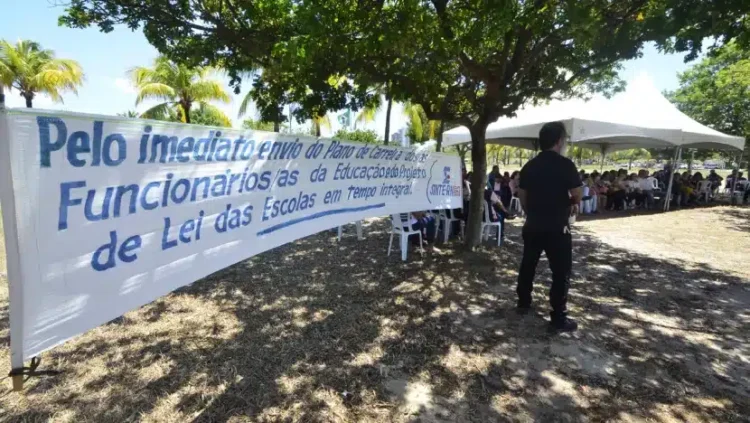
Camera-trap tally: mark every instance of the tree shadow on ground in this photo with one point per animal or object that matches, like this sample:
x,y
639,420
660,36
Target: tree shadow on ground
x,y
738,218
320,330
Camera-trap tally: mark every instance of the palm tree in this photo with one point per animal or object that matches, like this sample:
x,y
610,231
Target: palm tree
x,y
30,69
179,87
319,122
368,112
129,114
422,128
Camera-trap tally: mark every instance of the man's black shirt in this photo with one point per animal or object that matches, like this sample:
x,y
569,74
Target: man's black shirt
x,y
547,180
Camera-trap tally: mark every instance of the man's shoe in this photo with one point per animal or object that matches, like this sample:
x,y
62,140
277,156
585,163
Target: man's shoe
x,y
566,325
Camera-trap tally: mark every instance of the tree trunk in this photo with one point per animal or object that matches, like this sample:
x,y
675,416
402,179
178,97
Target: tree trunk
x,y
388,120
520,157
186,109
276,126
505,156
317,129
28,97
439,144
462,153
630,163
690,162
478,181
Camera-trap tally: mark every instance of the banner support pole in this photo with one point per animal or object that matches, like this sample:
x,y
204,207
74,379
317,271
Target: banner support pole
x,y
11,246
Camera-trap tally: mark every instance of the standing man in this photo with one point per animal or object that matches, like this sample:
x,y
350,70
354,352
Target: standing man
x,y
550,191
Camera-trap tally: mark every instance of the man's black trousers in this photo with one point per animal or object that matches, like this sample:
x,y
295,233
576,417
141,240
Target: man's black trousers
x,y
558,247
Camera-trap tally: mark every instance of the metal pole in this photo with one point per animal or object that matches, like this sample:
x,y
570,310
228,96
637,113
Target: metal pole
x,y
2,97
676,165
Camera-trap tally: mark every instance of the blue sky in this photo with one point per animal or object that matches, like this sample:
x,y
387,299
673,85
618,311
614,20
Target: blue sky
x,y
105,59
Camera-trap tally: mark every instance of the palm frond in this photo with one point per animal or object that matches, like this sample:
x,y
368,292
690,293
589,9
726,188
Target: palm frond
x,y
322,121
245,103
160,111
433,128
368,114
216,113
31,69
207,90
154,90
412,112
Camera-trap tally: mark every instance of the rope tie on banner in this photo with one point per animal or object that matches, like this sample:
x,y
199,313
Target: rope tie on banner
x,y
32,370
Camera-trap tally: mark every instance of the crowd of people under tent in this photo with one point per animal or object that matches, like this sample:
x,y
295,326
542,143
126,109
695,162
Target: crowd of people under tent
x,y
608,191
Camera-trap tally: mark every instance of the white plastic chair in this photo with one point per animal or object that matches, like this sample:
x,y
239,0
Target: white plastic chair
x,y
487,225
401,226
704,190
515,206
359,230
445,220
742,186
587,206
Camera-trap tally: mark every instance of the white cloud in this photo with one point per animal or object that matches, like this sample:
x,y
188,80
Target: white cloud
x,y
124,85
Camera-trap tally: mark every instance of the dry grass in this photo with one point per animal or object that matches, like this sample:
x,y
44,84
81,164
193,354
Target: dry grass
x,y
318,331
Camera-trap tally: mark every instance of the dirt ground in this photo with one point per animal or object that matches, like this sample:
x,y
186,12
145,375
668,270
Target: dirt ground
x,y
322,331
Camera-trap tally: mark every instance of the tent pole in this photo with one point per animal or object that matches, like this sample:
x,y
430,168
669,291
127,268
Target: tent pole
x,y
676,166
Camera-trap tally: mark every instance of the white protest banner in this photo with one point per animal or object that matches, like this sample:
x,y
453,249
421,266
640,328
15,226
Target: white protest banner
x,y
104,214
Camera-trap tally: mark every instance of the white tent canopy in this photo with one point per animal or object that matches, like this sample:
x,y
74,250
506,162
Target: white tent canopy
x,y
639,117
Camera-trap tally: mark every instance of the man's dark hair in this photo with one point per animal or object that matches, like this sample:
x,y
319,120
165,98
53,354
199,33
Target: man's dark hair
x,y
550,134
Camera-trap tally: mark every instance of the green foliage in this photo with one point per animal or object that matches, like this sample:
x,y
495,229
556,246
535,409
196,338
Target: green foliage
x,y
469,61
209,115
716,92
178,87
30,69
318,123
631,155
129,114
419,128
579,154
257,125
357,135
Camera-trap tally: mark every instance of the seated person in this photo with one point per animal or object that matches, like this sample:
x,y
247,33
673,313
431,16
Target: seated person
x,y
646,185
494,179
617,193
688,189
497,210
715,180
601,192
425,223
590,199
463,213
513,184
505,193
677,189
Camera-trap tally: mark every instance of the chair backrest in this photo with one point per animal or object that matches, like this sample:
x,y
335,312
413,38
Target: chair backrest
x,y
486,212
743,184
400,220
655,183
704,186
